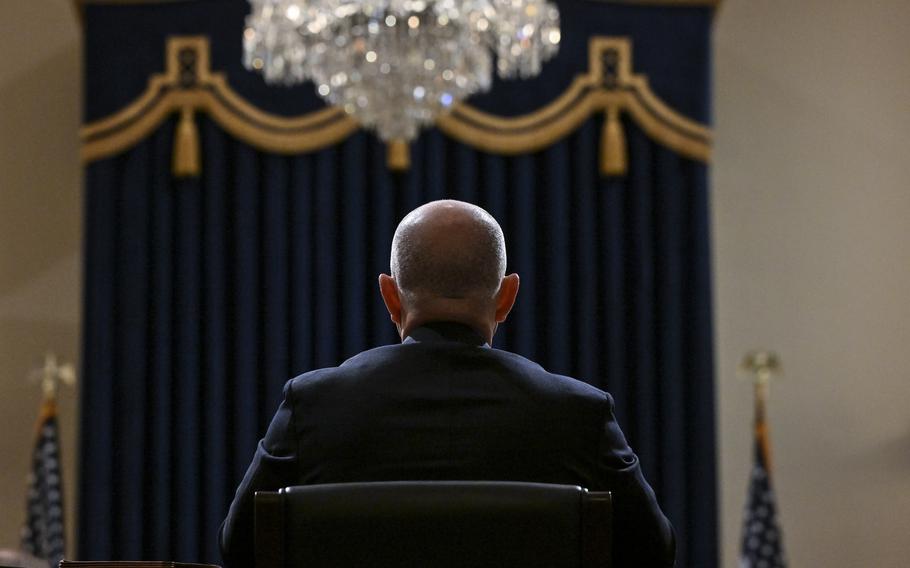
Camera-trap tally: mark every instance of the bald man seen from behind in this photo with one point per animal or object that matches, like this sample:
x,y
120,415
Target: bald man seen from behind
x,y
444,405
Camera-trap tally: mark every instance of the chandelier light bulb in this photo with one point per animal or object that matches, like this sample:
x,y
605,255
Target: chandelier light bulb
x,y
395,65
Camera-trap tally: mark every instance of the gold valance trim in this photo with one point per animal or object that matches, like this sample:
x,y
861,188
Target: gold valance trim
x,y
189,83
609,83
188,86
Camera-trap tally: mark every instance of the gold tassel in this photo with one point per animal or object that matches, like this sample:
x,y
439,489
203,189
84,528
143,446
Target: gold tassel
x,y
398,155
614,159
186,146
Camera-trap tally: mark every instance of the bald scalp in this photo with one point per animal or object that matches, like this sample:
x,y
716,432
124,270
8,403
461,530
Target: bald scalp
x,y
448,249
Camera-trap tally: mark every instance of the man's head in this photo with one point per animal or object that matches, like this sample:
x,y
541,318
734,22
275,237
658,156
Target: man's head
x,y
448,264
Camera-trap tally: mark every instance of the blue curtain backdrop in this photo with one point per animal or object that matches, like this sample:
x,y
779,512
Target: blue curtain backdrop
x,y
204,295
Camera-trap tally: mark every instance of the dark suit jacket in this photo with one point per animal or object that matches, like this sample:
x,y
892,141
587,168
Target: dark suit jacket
x,y
443,405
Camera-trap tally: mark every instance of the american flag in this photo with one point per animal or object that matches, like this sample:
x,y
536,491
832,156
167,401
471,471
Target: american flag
x,y
762,544
42,535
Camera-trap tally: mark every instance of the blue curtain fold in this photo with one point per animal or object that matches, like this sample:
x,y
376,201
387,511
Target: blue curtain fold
x,y
203,296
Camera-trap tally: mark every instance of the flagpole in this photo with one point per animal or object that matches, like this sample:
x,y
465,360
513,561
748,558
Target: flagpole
x,y
762,540
762,365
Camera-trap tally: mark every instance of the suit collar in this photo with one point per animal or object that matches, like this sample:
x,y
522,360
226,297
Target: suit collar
x,y
445,331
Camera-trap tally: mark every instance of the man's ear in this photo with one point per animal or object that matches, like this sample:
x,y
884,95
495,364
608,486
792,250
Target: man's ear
x,y
390,295
505,298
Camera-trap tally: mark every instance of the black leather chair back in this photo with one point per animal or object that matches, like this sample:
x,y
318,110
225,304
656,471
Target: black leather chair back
x,y
437,524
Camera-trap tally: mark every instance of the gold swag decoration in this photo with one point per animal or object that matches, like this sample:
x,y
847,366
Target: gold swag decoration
x,y
188,86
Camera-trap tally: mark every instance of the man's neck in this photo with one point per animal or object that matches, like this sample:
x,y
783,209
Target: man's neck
x,y
415,319
448,331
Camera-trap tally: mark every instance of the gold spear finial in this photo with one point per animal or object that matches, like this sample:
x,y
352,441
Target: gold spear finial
x,y
762,365
51,375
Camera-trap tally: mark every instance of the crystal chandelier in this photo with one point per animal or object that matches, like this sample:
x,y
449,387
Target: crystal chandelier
x,y
397,64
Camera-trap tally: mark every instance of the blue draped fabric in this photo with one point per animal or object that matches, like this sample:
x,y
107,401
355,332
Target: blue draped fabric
x,y
203,296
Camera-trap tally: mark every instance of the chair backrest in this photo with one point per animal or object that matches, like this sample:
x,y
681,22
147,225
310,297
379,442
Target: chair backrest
x,y
439,524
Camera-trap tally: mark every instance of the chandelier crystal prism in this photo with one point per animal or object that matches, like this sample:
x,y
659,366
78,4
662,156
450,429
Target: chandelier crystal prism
x,y
395,65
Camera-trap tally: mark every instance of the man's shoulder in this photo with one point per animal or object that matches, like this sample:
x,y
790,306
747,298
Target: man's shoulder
x,y
353,365
565,383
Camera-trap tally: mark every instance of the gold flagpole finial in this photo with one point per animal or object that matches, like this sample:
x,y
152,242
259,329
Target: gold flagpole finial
x,y
762,365
51,375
